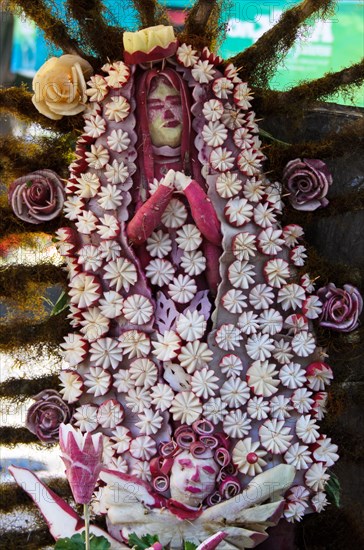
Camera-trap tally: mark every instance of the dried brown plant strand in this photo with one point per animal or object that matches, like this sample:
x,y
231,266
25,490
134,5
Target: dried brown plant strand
x,y
104,39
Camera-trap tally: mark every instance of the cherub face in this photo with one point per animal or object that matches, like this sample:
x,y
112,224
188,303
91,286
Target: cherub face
x,y
192,479
165,114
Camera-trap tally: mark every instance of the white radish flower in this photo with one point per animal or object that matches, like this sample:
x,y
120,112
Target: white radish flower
x,y
261,378
232,117
280,407
186,407
303,344
160,272
275,436
105,353
143,372
87,185
244,246
228,337
71,385
231,365
191,326
159,244
97,88
175,214
326,452
222,87
162,396
299,456
257,408
270,242
186,55
188,238
238,211
248,457
214,134
98,157
116,172
235,392
193,263
261,296
237,424
121,274
301,400
111,304
221,159
98,381
84,290
264,216
85,418
122,438
86,222
291,296
138,399
149,422
194,355
94,324
203,383
292,376
182,289
110,197
213,110
228,184
270,322
316,477
241,274
135,343
215,410
307,429
95,126
248,322
117,109
143,447
109,227
276,272
203,72
118,141
167,346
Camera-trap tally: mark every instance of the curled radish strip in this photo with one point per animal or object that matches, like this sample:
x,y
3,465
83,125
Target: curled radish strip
x,y
156,465
185,439
222,457
168,449
161,483
209,441
160,466
213,499
230,469
198,449
203,427
230,487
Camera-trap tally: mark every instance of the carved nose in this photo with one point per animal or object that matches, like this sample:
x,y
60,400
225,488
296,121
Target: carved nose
x,y
168,115
196,475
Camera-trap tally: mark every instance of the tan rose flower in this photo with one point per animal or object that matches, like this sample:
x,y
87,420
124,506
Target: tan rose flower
x,y
60,87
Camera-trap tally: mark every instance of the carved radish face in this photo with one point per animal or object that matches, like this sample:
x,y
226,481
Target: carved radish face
x,y
164,114
192,479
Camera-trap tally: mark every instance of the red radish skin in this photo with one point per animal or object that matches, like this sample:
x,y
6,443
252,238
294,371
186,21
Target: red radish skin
x,y
212,254
203,213
149,215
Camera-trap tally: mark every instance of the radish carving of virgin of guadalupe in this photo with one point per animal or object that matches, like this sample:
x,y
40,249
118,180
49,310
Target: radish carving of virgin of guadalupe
x,y
192,351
